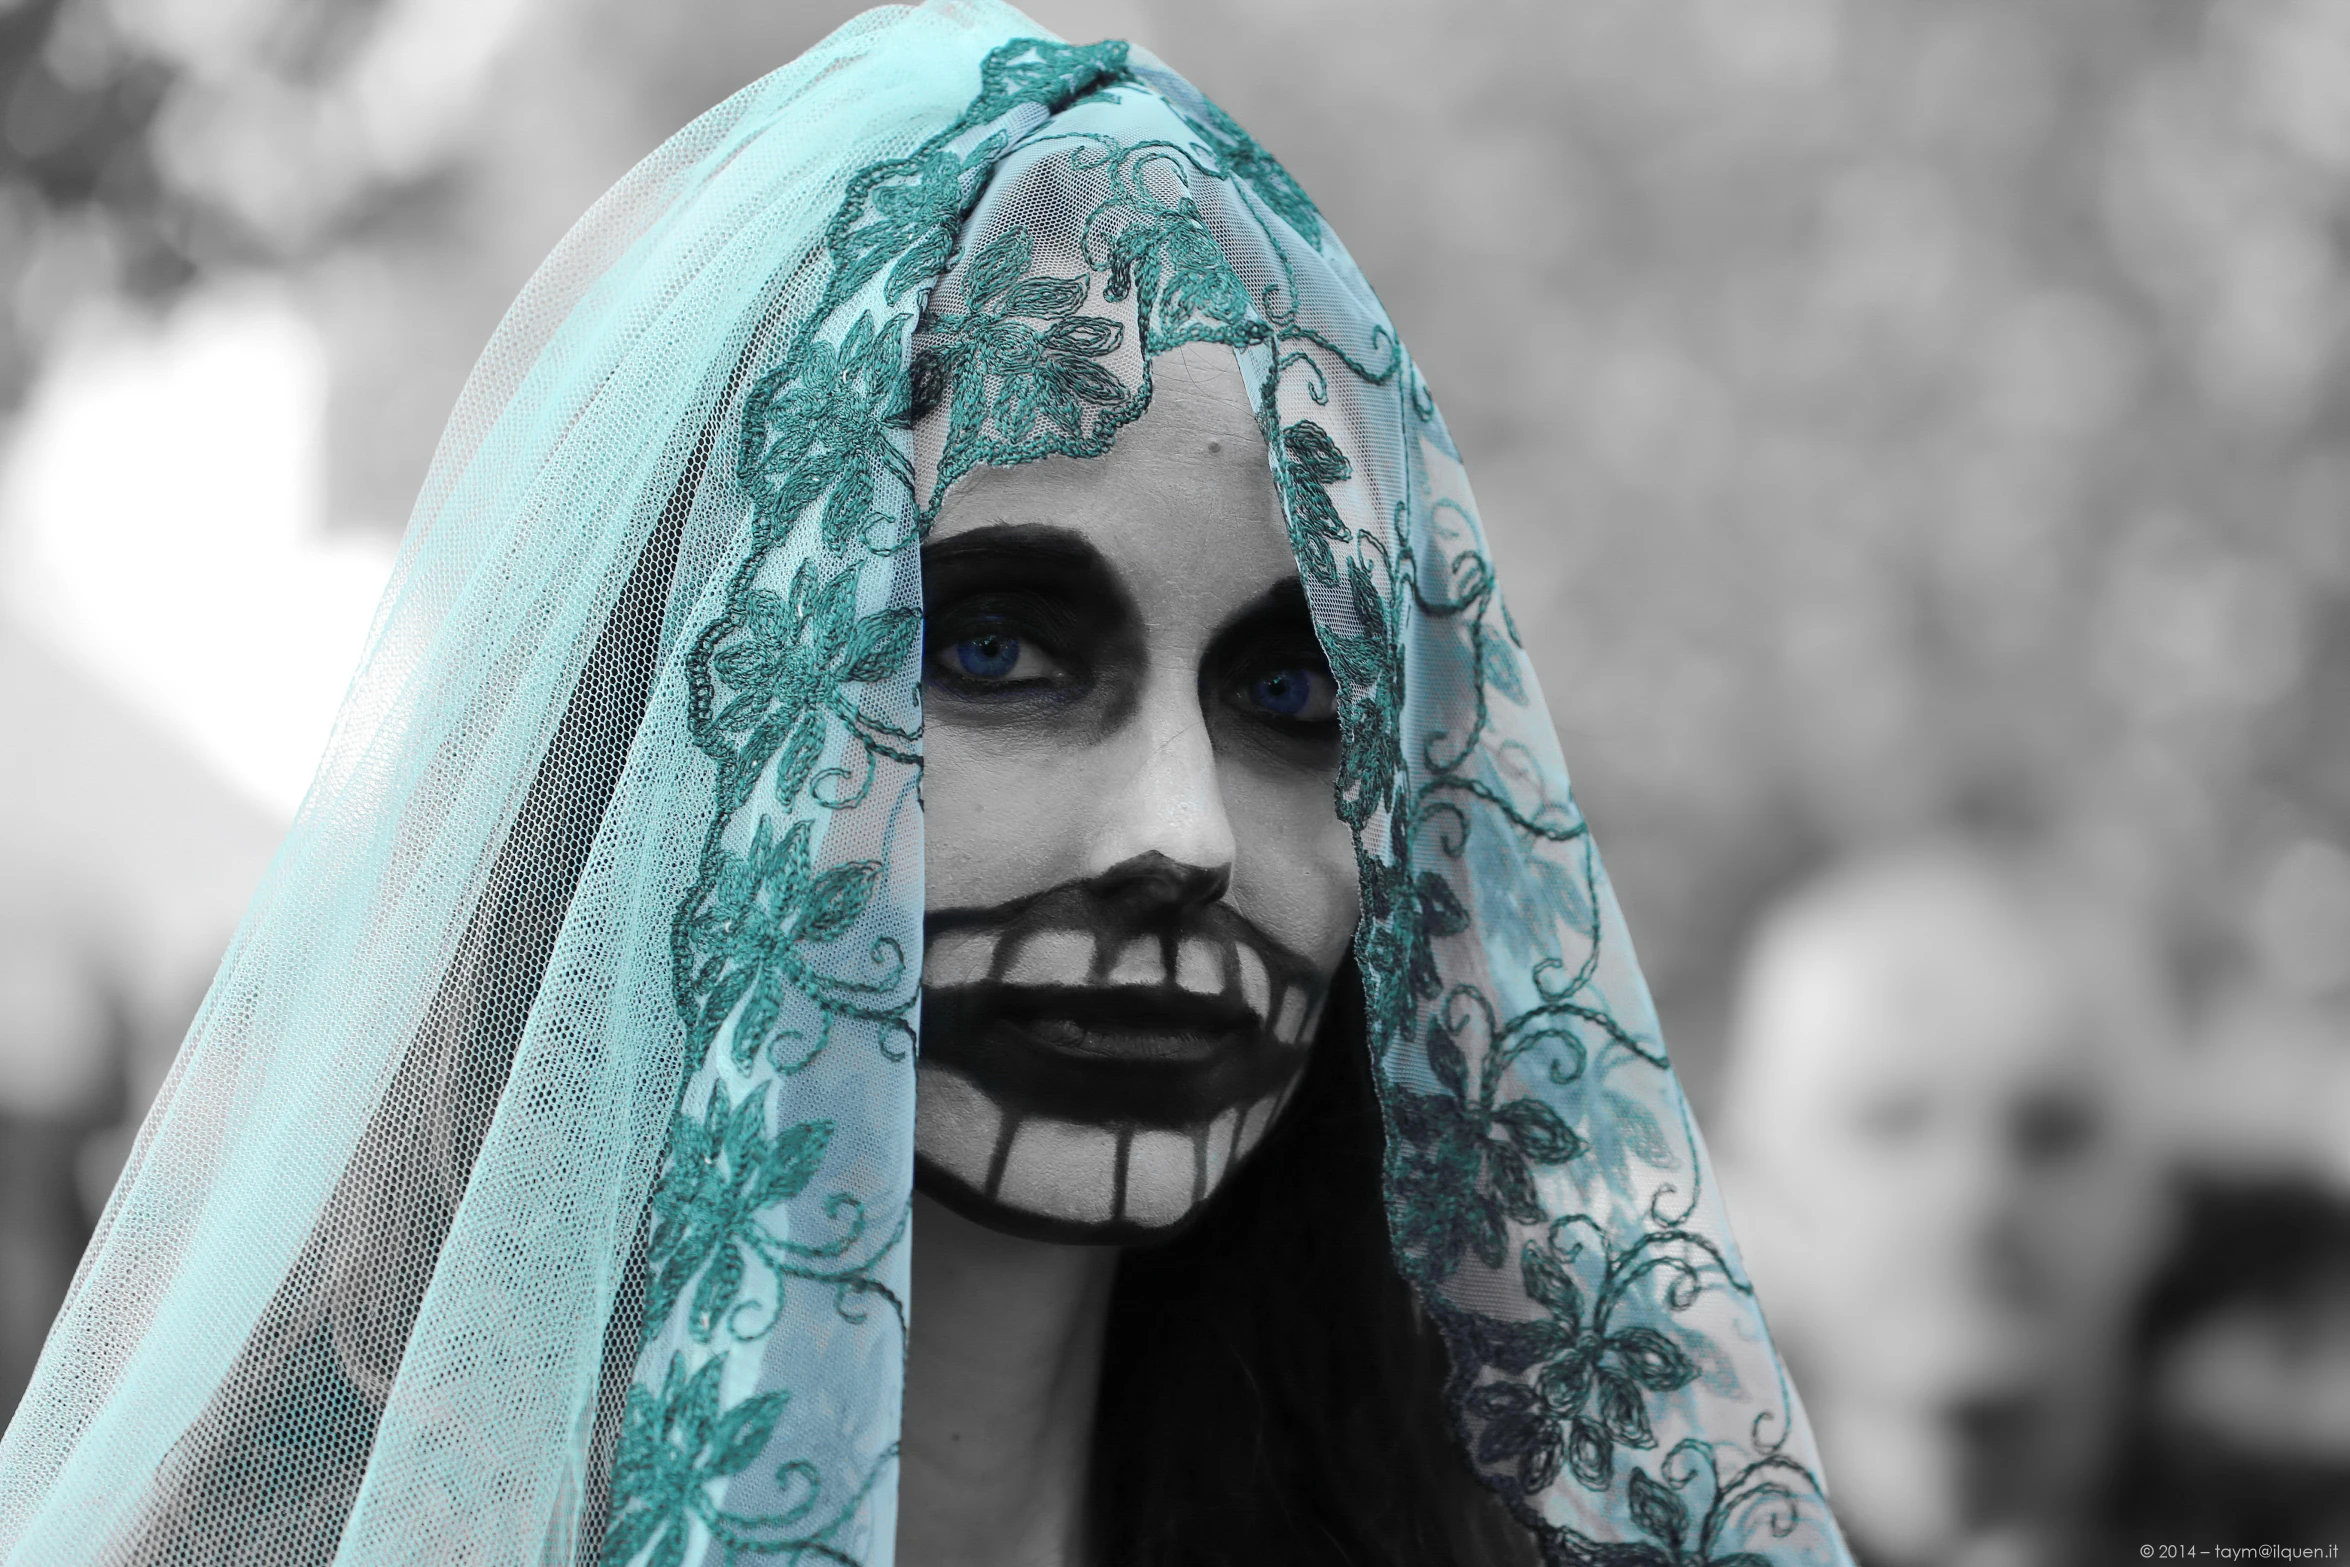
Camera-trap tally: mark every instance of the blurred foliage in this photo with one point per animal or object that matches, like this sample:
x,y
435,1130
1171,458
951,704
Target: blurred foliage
x,y
1885,414
81,208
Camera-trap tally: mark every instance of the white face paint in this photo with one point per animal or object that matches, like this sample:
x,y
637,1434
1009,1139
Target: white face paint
x,y
1139,889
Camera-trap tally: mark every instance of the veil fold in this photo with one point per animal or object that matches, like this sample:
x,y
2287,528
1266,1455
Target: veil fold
x,y
533,1184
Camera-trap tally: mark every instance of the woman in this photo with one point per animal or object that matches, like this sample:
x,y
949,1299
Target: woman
x,y
834,836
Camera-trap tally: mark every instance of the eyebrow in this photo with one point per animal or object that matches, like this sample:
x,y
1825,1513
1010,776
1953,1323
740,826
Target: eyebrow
x,y
1027,544
1288,596
1283,605
1021,556
1065,553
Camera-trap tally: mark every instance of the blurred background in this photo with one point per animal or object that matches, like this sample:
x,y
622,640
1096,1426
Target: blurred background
x,y
1916,440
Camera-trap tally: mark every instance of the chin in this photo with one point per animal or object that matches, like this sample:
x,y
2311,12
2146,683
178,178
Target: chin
x,y
1074,1182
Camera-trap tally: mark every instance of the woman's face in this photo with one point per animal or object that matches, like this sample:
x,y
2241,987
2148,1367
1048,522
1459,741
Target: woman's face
x,y
1139,891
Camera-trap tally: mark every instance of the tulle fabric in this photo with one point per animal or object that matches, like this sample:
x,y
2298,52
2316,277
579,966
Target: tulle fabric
x,y
533,1184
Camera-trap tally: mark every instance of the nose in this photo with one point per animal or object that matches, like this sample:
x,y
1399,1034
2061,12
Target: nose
x,y
1978,1192
1163,837
1152,885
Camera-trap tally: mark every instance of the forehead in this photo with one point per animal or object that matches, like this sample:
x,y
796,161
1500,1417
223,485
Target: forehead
x,y
1184,502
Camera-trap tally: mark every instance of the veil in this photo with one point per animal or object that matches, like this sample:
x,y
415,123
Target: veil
x,y
533,1185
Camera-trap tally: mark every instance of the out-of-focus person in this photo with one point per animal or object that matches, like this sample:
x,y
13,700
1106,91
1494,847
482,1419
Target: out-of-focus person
x,y
1943,1149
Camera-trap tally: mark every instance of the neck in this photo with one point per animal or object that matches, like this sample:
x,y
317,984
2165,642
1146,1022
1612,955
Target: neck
x,y
1002,1364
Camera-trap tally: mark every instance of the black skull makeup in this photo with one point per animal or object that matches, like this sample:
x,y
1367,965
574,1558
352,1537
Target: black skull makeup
x,y
1139,890
1134,1041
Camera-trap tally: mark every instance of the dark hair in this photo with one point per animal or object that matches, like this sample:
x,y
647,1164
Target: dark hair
x,y
1271,1392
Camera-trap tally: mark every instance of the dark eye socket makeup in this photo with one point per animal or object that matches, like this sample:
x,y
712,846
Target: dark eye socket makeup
x,y
1022,620
1267,666
1023,615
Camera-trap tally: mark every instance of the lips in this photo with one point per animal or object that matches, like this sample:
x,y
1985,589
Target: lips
x,y
1116,1056
1218,958
1124,1044
1126,1023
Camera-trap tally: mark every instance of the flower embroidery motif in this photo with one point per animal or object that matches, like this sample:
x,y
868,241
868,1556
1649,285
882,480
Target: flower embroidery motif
x,y
1018,354
1664,1517
908,224
724,1170
1465,1169
1307,462
743,935
790,659
1767,1496
1368,666
1186,292
819,427
1590,1394
1042,71
672,1445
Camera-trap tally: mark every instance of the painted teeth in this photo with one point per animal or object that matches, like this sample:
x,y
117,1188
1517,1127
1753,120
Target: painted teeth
x,y
1061,1168
956,958
1052,957
1199,969
1067,957
955,1124
1256,990
1217,1156
1081,1174
1161,1176
1291,1023
1255,1121
1138,963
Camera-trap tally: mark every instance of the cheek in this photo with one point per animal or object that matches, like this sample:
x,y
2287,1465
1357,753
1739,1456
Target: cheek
x,y
995,818
1293,871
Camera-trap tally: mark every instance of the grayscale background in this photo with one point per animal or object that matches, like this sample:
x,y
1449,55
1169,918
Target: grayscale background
x,y
1902,422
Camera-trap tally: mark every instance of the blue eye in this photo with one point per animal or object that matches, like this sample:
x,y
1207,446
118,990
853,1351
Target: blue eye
x,y
1296,693
1284,693
986,658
